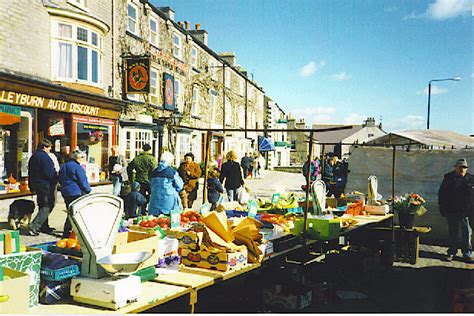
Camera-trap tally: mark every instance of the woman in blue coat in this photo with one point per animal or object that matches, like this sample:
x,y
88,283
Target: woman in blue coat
x,y
165,184
74,184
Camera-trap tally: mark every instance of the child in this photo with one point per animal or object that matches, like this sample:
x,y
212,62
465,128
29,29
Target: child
x,y
134,201
214,188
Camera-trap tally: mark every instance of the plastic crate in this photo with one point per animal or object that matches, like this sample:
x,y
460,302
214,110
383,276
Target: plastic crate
x,y
318,228
51,247
235,213
61,273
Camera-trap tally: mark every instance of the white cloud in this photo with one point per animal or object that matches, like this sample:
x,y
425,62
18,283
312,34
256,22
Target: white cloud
x,y
310,68
443,9
341,76
405,123
446,9
434,90
355,118
315,114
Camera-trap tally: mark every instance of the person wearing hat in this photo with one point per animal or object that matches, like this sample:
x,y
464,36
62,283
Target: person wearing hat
x,y
456,203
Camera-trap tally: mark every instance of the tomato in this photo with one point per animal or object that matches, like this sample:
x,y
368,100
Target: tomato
x,y
71,243
144,224
192,218
62,243
78,247
155,222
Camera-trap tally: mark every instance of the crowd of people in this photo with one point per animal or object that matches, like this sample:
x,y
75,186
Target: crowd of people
x,y
146,185
334,173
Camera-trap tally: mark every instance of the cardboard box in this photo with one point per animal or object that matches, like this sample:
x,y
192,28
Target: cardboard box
x,y
131,241
28,262
187,239
14,292
11,241
284,298
221,261
267,249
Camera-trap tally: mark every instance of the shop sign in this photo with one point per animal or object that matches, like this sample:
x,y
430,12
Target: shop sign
x,y
8,109
56,126
137,75
168,91
24,99
168,61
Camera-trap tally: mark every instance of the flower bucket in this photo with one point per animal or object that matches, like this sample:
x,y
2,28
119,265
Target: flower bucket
x,y
406,220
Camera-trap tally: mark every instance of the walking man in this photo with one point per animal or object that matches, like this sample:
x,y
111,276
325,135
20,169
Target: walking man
x,y
246,164
455,198
42,180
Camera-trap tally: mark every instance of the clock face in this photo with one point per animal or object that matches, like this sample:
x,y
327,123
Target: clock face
x,y
169,92
138,77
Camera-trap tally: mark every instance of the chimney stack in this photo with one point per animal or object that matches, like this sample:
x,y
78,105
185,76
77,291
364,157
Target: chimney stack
x,y
186,25
200,35
229,58
198,27
168,11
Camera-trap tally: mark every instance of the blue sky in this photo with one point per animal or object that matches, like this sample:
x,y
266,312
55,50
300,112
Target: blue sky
x,y
340,61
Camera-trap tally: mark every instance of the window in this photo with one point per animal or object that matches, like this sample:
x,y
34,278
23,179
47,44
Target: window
x,y
242,86
77,53
227,78
78,3
153,32
250,93
184,146
241,117
177,92
213,69
154,82
212,104
194,56
194,105
228,112
176,46
132,19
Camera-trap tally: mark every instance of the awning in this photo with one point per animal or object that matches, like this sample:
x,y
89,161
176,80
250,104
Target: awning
x,y
265,144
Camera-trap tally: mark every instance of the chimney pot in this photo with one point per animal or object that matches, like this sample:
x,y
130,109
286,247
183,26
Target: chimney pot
x,y
186,25
198,26
180,24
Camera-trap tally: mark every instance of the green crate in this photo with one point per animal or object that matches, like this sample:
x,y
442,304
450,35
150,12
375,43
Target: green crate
x,y
318,228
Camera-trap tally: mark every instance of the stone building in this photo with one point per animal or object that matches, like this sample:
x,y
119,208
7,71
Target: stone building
x,y
56,82
276,119
210,90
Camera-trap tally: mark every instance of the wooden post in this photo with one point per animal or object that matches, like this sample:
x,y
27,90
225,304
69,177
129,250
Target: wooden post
x,y
308,184
206,165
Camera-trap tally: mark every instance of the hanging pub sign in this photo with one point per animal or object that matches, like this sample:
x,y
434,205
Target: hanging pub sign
x,y
138,75
168,91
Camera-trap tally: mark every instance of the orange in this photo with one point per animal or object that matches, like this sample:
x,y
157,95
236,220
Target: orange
x,y
78,247
62,243
71,243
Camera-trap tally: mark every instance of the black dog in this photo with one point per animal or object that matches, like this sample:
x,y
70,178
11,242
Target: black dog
x,y
20,210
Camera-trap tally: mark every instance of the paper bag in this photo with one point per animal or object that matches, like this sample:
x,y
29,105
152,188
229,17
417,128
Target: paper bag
x,y
217,222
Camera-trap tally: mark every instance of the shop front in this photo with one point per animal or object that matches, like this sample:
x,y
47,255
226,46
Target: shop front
x,y
31,110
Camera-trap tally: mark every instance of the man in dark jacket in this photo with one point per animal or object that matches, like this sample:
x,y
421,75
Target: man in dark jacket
x,y
246,164
143,164
232,175
455,199
42,181
74,184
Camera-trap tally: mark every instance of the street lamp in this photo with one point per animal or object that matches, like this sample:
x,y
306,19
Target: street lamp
x,y
429,95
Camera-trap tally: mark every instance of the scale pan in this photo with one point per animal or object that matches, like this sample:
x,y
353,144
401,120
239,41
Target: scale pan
x,y
123,263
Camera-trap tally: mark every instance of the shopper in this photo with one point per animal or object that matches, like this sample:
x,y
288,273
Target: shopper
x,y
254,165
313,172
232,175
134,201
190,172
341,170
117,170
455,198
260,166
214,188
74,184
328,175
142,164
165,187
246,164
42,181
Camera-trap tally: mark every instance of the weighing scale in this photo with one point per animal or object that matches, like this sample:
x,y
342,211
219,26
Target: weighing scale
x,y
104,279
373,206
318,195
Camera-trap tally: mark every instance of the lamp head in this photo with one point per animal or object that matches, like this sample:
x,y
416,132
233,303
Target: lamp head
x,y
456,78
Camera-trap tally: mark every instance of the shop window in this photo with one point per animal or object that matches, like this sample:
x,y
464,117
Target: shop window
x,y
135,139
76,58
132,19
16,141
153,32
94,137
176,46
184,146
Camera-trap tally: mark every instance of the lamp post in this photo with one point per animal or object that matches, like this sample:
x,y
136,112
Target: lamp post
x,y
429,95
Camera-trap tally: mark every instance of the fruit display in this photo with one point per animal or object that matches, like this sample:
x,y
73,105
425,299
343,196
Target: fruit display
x,y
152,222
284,202
347,221
69,243
355,209
190,217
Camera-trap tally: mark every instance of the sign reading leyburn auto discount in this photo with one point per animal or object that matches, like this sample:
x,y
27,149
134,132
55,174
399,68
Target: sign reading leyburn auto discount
x,y
168,92
138,75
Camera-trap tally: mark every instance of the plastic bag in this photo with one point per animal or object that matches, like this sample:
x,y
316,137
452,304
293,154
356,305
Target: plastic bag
x,y
242,195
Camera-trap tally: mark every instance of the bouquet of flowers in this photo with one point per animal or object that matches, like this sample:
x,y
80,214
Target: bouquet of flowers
x,y
410,204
